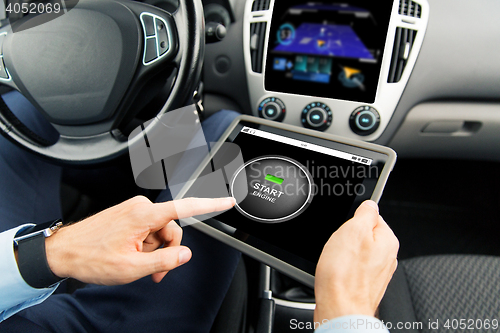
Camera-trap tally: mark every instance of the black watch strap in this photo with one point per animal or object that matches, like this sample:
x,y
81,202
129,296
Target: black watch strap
x,y
32,262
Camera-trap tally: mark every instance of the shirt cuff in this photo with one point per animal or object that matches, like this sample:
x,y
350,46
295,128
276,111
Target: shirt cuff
x,y
354,323
15,293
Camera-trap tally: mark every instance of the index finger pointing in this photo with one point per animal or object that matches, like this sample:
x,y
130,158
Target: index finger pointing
x,y
184,208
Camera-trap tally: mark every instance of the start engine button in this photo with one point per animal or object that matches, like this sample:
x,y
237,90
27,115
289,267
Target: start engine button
x,y
272,189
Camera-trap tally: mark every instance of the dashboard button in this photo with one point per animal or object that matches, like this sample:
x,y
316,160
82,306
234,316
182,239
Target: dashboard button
x,y
163,42
272,108
317,116
364,120
149,25
150,53
271,111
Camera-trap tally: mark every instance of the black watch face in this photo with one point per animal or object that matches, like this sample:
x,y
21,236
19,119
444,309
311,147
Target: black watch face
x,y
272,189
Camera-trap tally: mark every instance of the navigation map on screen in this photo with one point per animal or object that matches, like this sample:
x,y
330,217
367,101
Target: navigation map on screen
x,y
327,40
338,48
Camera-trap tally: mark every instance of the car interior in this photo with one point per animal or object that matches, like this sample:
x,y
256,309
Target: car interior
x,y
418,76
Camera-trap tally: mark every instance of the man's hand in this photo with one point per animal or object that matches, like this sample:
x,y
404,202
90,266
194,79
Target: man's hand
x,y
355,266
122,244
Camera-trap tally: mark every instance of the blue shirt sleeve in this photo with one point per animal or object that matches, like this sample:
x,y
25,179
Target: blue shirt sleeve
x,y
15,293
353,324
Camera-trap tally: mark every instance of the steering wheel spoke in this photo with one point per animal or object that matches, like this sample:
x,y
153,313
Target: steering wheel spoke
x,y
5,76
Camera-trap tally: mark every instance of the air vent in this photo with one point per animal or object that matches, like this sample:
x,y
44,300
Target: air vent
x,y
260,5
410,8
403,43
257,38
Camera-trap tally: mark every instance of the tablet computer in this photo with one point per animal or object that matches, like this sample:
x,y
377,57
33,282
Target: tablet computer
x,y
294,187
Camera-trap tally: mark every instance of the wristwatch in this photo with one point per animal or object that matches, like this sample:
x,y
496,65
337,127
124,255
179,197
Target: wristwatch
x,y
31,256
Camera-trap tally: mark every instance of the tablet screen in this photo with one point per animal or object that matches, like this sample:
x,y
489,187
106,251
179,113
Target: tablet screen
x,y
294,191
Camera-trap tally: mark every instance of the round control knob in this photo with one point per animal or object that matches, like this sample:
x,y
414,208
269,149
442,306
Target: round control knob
x,y
364,120
317,116
272,108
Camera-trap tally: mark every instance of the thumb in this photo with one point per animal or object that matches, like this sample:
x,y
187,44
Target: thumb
x,y
367,214
163,260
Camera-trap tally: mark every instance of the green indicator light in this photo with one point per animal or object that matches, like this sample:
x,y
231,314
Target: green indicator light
x,y
274,179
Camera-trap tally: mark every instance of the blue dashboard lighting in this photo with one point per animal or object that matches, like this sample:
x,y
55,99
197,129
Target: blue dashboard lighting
x,y
286,34
280,64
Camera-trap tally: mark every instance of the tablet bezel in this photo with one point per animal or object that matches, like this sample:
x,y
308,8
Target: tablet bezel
x,y
280,265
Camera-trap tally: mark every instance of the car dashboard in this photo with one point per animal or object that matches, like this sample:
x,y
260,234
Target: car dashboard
x,y
432,94
433,99
359,83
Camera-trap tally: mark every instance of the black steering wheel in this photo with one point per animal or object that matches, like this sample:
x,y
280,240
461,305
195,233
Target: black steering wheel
x,y
86,69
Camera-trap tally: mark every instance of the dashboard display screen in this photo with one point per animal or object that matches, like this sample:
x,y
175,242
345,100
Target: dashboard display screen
x,y
326,49
294,191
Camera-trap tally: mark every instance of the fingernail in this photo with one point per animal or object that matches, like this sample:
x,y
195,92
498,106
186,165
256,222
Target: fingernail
x,y
184,256
231,201
372,204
